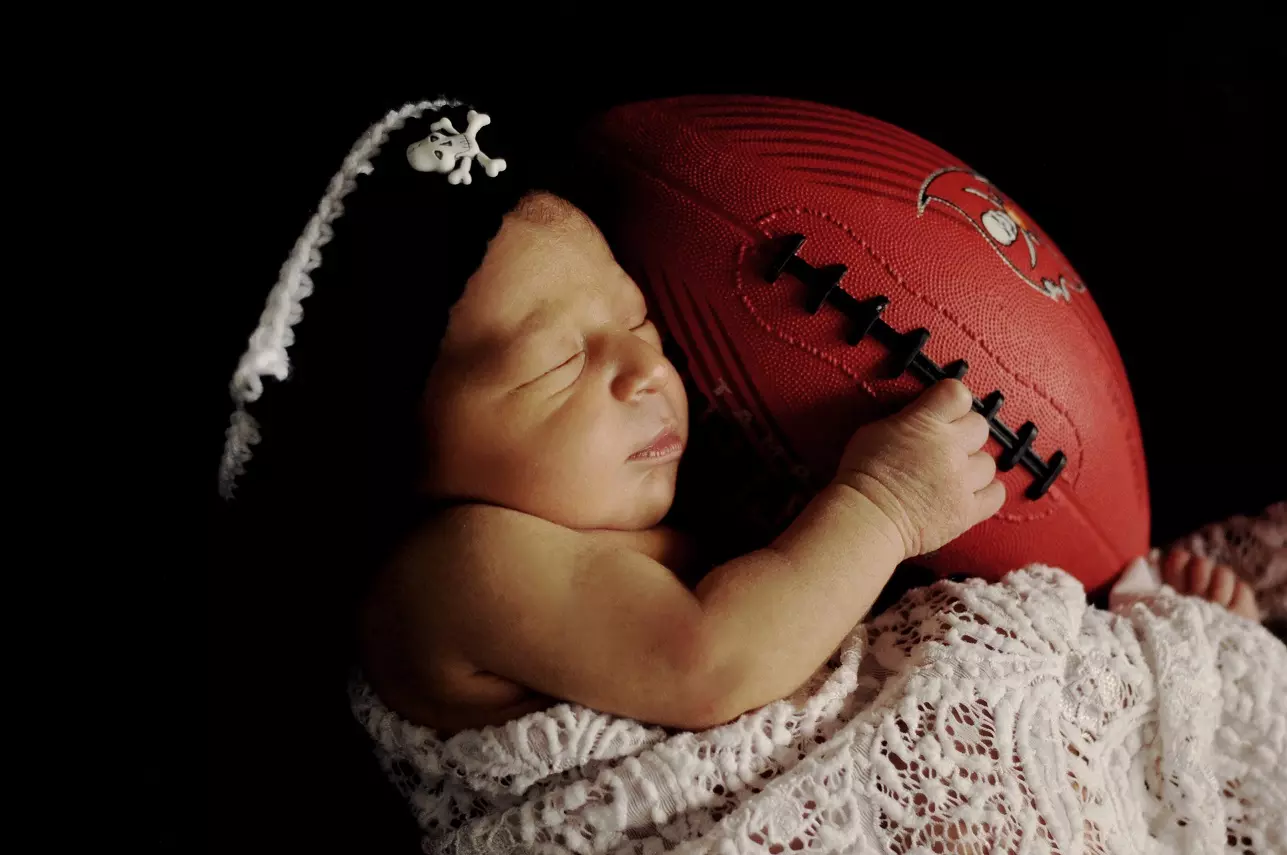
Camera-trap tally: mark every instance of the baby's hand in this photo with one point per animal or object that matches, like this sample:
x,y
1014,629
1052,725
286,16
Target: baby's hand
x,y
923,468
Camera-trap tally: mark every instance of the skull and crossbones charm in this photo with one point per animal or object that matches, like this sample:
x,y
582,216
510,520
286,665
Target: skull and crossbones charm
x,y
447,150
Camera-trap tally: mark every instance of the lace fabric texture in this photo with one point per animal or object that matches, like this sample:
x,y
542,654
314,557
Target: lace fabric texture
x,y
968,718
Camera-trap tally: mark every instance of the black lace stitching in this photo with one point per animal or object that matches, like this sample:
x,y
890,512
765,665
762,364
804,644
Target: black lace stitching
x,y
906,355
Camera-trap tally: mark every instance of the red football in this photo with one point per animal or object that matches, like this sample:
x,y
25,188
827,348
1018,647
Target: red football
x,y
819,268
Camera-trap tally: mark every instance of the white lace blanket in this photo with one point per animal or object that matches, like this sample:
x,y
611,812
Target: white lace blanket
x,y
970,718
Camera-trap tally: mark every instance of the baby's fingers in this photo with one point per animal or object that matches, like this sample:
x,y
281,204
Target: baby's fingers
x,y
946,400
980,469
987,502
972,429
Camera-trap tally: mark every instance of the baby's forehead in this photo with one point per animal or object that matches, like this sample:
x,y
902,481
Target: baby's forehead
x,y
549,263
545,209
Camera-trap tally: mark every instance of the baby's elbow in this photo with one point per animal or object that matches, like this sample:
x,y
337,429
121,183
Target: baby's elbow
x,y
712,697
711,716
717,707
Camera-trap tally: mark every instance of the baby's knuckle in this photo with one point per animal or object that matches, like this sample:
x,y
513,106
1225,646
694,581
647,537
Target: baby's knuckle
x,y
966,396
953,386
975,427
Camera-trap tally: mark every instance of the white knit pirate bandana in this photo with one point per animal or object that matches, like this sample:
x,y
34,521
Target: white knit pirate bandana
x,y
448,155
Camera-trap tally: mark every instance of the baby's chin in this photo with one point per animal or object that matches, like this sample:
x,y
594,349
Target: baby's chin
x,y
643,515
649,507
657,493
653,516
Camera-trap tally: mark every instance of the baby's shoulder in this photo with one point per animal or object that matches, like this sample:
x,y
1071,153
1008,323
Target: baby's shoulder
x,y
469,544
418,619
420,589
467,539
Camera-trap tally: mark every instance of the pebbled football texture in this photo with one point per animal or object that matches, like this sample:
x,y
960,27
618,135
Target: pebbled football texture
x,y
816,269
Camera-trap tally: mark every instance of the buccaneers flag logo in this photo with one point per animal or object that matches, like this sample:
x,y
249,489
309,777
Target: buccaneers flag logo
x,y
1016,238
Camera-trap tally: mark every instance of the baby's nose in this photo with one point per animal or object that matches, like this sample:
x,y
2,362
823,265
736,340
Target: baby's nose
x,y
643,369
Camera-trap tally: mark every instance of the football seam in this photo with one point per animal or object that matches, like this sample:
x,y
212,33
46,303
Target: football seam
x,y
728,219
627,159
1006,440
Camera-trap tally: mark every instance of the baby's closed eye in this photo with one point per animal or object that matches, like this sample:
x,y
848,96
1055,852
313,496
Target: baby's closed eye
x,y
577,360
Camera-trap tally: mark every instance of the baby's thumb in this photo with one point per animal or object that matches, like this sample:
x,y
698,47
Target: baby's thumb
x,y
947,401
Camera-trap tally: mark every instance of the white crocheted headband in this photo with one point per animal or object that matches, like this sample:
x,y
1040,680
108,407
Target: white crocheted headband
x,y
445,150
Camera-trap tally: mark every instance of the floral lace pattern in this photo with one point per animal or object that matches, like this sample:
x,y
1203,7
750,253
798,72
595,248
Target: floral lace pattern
x,y
968,718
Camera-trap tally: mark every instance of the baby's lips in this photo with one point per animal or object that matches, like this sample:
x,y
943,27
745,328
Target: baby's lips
x,y
668,436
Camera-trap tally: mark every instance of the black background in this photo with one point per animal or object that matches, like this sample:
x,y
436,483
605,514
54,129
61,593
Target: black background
x,y
1165,194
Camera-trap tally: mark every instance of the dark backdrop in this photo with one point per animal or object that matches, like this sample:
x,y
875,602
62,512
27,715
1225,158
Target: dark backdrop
x,y
1165,195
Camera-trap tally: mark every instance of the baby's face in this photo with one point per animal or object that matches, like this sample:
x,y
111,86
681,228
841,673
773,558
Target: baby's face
x,y
549,379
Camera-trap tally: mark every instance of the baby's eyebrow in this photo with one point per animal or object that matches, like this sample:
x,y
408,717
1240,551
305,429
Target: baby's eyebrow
x,y
538,322
535,320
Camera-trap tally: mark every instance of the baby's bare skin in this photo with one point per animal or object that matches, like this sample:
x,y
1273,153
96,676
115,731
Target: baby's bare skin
x,y
549,378
442,689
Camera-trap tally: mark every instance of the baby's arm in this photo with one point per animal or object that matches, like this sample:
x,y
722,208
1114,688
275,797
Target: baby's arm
x,y
906,486
585,620
577,617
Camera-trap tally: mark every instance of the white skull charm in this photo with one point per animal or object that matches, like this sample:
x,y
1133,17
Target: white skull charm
x,y
445,150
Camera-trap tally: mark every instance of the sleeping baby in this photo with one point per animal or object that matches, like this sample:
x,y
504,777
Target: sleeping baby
x,y
542,427
553,429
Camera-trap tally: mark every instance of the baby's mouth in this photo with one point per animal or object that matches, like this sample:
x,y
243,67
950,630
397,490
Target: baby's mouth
x,y
665,445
